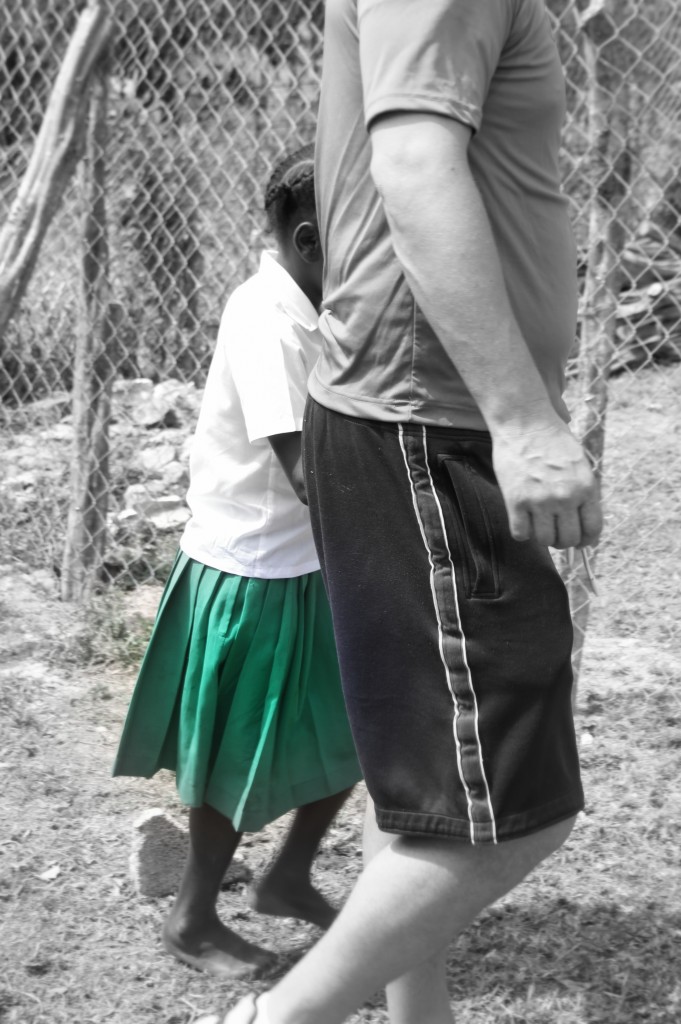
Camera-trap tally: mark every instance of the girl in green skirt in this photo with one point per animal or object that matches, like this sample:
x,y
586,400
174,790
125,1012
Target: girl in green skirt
x,y
239,691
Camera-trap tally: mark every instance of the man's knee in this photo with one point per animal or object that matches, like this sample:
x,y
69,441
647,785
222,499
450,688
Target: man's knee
x,y
552,838
495,868
518,857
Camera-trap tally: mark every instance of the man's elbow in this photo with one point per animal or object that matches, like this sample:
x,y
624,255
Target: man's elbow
x,y
397,170
412,152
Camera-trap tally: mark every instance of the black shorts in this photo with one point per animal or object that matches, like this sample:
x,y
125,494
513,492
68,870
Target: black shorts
x,y
454,640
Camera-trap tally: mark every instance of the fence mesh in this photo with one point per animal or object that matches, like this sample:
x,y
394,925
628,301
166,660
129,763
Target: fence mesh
x,y
201,98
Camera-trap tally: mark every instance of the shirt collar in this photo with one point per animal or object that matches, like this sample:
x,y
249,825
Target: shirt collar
x,y
286,292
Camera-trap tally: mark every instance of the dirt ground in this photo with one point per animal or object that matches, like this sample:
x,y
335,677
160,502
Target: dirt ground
x,y
592,938
75,926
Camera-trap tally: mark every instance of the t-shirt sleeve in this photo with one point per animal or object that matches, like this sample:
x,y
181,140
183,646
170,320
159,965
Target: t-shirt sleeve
x,y
430,56
269,374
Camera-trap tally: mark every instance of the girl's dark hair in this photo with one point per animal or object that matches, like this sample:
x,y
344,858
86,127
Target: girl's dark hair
x,y
290,188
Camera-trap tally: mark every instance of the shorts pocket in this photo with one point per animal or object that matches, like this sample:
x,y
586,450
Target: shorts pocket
x,y
476,505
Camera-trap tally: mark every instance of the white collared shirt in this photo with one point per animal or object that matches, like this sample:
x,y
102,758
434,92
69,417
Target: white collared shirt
x,y
246,518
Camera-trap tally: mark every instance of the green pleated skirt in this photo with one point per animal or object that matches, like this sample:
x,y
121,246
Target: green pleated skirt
x,y
239,694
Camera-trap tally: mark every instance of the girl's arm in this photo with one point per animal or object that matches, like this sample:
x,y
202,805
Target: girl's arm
x,y
287,449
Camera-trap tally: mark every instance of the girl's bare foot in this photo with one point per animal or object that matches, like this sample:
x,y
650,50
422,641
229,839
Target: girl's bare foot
x,y
288,898
212,947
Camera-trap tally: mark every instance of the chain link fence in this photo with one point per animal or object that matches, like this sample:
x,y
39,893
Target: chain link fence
x,y
187,106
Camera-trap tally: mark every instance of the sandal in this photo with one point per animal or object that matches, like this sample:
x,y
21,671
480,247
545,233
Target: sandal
x,y
246,1012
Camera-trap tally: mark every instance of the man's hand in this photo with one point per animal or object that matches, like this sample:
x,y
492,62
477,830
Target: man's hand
x,y
550,492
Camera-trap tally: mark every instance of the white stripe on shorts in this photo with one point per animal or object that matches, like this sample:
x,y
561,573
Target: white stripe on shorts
x,y
424,467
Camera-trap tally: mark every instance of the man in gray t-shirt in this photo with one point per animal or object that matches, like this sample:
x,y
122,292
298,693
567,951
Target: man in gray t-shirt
x,y
440,468
492,70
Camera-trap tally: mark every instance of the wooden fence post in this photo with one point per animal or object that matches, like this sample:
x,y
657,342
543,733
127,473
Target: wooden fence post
x,y
609,159
94,371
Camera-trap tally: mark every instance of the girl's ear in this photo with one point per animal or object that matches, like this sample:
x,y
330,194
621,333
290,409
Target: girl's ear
x,y
306,242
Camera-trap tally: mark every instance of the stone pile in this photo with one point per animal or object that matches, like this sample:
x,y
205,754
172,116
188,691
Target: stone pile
x,y
152,426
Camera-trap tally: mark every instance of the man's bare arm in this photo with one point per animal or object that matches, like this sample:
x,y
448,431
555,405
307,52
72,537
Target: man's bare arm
x,y
443,240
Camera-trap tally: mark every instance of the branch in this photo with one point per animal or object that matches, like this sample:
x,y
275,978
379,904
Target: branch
x,y
597,21
56,153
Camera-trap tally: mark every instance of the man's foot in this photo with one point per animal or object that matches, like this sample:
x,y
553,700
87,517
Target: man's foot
x,y
292,899
215,949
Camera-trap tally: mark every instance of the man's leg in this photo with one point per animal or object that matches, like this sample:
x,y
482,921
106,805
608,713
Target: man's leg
x,y
422,666
411,900
421,994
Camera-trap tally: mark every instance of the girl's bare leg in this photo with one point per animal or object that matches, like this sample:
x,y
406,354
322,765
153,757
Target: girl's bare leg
x,y
193,931
286,890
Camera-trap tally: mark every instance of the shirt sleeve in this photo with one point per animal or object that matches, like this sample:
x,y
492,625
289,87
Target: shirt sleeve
x,y
430,56
269,373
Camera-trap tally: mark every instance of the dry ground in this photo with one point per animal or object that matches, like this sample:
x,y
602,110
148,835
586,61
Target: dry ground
x,y
592,938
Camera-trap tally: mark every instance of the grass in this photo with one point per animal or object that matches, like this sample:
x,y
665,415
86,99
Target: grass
x,y
591,938
107,635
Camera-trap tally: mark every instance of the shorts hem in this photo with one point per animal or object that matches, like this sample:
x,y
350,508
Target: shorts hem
x,y
515,826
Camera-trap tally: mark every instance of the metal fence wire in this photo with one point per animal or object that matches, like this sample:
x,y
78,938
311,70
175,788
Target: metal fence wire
x,y
186,108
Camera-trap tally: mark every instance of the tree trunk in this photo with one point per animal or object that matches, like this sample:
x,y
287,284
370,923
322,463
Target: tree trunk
x,y
57,151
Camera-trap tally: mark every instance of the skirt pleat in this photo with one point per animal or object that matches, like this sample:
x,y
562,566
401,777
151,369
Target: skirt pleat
x,y
239,694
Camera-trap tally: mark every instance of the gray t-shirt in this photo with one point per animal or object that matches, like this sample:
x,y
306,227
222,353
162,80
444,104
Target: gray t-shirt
x,y
493,65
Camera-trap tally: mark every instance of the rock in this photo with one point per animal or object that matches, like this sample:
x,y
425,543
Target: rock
x,y
23,480
145,513
130,528
169,404
186,450
49,411
176,475
183,398
154,459
131,395
159,851
170,519
140,498
146,524
136,400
